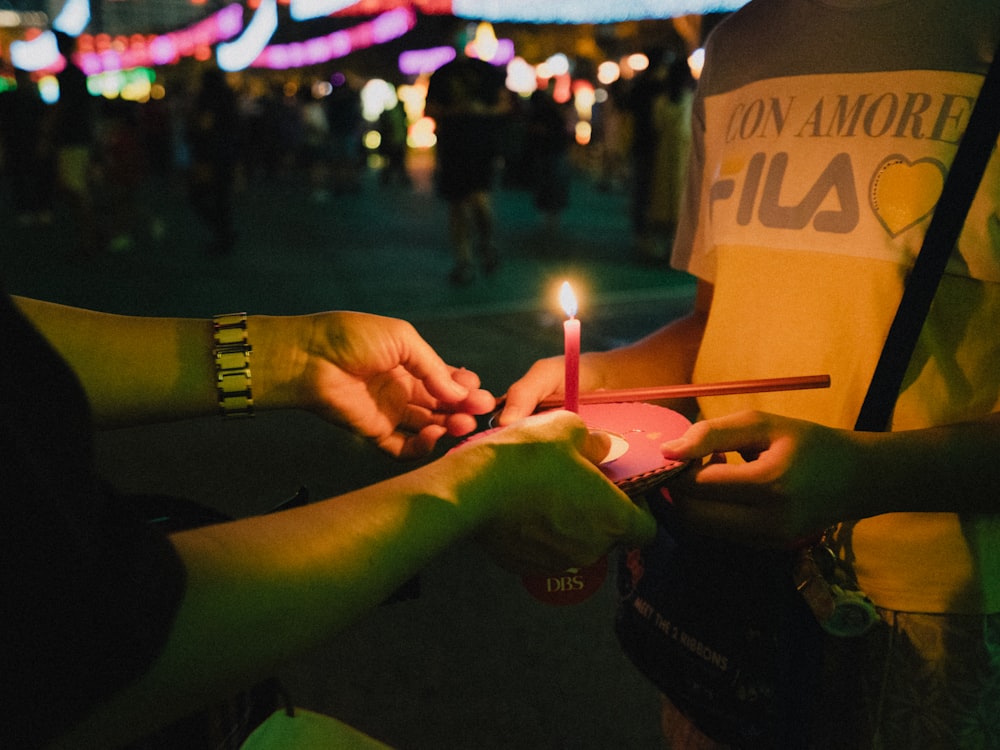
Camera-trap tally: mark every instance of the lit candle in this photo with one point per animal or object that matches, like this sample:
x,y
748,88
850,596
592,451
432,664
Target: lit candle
x,y
571,349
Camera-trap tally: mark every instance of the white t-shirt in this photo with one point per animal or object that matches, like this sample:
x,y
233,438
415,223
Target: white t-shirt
x,y
830,131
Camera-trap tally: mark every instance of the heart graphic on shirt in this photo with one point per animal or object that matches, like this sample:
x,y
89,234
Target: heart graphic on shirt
x,y
904,193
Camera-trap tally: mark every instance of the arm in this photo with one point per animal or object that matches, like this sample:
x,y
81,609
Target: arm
x,y
662,358
800,478
263,589
372,374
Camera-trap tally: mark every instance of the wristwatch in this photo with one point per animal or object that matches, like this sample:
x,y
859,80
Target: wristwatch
x,y
232,364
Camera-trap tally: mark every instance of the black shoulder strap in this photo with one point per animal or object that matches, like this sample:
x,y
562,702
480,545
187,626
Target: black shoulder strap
x,y
956,197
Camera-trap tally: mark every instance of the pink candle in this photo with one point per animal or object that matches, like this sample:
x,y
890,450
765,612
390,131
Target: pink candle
x,y
571,349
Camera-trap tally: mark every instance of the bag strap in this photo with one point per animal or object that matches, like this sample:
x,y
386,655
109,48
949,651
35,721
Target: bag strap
x,y
959,189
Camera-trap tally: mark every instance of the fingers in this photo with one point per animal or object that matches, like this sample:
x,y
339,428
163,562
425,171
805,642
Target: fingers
x,y
475,400
743,431
543,379
460,424
479,401
465,378
441,381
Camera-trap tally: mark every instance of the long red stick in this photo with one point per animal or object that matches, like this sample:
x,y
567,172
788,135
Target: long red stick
x,y
727,388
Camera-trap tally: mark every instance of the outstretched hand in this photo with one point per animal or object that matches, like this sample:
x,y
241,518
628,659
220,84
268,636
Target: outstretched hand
x,y
545,502
795,479
377,376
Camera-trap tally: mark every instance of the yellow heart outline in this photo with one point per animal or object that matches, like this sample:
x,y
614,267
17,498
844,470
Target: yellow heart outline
x,y
900,202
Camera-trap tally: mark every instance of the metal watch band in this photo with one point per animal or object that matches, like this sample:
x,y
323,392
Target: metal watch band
x,y
232,364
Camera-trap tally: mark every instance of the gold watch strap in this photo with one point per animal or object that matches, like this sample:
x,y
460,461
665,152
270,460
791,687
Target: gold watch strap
x,y
232,364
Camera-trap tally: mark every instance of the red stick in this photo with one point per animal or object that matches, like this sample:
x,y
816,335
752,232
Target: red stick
x,y
727,388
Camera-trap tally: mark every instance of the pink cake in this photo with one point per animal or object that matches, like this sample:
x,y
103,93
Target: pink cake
x,y
644,427
637,430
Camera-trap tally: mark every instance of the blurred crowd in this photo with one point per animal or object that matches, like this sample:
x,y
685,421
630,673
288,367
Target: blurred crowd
x,y
87,159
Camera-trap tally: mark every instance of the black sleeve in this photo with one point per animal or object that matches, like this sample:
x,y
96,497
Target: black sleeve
x,y
90,589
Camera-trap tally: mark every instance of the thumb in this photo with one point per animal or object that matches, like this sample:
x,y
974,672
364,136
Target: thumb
x,y
596,445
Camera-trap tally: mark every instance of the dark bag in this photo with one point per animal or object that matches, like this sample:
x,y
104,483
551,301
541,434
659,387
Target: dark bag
x,y
722,632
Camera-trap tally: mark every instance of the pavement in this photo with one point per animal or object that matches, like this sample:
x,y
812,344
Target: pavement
x,y
473,661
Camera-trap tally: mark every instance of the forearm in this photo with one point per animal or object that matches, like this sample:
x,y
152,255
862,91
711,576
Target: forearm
x,y
262,590
133,369
146,369
951,468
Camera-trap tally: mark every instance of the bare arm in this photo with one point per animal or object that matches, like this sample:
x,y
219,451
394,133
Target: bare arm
x,y
133,369
372,374
263,589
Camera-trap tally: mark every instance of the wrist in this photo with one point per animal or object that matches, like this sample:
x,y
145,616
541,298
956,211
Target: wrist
x,y
279,355
466,478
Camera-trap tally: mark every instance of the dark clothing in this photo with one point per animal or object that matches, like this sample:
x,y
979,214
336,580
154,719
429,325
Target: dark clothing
x,y
639,102
27,155
468,138
90,590
547,143
213,138
75,111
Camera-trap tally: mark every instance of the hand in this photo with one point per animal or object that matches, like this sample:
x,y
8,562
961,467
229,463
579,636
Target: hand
x,y
543,379
372,374
796,481
547,505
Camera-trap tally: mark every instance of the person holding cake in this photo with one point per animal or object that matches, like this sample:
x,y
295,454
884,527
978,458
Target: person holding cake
x,y
800,226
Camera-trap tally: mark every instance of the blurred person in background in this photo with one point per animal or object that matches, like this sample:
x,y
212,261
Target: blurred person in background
x,y
72,131
26,154
671,115
213,141
547,139
468,100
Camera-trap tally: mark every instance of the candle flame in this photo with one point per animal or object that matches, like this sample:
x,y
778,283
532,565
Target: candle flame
x,y
567,299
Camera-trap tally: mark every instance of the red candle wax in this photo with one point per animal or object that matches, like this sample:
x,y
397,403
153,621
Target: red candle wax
x,y
571,349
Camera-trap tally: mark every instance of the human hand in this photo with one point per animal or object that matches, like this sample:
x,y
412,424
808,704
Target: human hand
x,y
543,379
372,374
797,478
545,504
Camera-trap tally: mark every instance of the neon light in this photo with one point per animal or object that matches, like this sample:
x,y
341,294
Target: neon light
x,y
416,61
239,54
165,49
101,54
586,11
303,10
40,53
73,18
388,26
